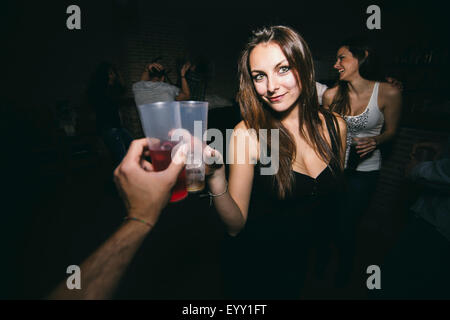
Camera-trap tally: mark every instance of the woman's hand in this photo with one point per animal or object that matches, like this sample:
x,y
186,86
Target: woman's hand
x,y
213,162
214,169
365,145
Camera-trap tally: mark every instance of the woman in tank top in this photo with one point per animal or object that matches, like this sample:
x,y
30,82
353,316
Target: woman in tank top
x,y
272,218
366,106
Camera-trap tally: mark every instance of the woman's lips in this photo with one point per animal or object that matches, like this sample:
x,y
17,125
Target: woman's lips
x,y
277,98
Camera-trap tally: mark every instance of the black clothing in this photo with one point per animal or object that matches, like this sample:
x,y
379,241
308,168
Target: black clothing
x,y
106,105
268,259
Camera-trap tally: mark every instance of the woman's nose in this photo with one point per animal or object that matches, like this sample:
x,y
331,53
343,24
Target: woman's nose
x,y
272,84
337,65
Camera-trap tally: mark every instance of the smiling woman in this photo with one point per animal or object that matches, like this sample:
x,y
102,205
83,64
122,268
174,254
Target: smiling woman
x,y
273,79
275,220
366,105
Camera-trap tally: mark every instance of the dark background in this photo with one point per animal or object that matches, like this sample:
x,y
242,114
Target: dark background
x,y
58,200
58,60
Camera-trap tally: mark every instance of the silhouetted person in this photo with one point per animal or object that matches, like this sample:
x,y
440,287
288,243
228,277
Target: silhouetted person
x,y
367,106
104,92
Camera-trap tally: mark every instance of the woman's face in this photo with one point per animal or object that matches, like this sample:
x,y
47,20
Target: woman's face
x,y
346,64
274,80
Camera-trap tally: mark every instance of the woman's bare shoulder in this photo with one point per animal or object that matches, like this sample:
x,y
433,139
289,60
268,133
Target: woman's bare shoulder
x,y
241,125
388,90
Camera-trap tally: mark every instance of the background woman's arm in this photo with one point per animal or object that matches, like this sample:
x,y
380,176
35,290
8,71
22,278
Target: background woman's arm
x,y
392,102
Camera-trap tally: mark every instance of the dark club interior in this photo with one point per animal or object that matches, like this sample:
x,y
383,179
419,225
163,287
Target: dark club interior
x,y
62,203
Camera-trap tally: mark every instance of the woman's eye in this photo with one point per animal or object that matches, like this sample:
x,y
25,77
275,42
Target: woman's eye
x,y
284,69
258,77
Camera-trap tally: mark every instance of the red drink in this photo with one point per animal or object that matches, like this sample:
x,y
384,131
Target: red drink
x,y
161,159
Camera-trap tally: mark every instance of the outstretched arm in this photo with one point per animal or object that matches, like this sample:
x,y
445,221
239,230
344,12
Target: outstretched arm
x,y
145,193
101,272
232,205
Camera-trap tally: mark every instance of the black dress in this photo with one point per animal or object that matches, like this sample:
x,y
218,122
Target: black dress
x,y
268,259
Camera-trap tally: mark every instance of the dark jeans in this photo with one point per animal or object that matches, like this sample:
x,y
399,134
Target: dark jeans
x,y
360,187
117,141
417,267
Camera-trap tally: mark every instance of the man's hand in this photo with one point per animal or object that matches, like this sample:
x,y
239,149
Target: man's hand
x,y
148,67
144,191
154,65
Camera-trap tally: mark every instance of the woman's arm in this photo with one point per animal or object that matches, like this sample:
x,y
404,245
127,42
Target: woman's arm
x,y
391,99
233,205
392,111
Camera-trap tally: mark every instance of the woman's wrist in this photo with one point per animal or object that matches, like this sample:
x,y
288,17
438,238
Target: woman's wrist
x,y
217,183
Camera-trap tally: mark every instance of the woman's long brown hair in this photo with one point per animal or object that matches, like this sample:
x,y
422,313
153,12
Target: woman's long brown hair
x,y
369,68
257,115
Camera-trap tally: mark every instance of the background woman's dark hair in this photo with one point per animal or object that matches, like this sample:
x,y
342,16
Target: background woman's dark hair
x,y
257,115
369,69
99,81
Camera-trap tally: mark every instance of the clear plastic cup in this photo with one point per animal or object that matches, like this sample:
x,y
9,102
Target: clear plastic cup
x,y
159,120
194,118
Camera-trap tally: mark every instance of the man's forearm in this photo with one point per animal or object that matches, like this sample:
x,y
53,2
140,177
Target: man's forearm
x,y
101,272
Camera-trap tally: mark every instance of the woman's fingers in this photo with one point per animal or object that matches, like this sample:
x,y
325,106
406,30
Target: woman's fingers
x,y
370,143
212,156
364,154
364,150
213,160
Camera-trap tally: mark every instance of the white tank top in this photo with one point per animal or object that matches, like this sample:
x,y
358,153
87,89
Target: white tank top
x,y
367,124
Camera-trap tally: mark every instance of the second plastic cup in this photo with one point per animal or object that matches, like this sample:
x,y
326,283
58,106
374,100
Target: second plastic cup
x,y
158,121
194,118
